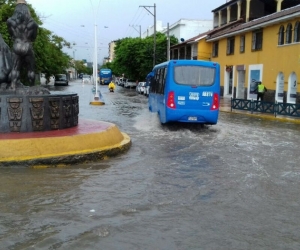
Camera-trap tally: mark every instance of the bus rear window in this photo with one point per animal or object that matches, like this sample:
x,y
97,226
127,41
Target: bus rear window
x,y
194,75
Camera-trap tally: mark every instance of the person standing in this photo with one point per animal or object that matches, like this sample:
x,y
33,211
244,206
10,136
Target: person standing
x,y
261,89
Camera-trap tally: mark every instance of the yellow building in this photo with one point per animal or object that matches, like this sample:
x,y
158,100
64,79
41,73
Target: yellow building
x,y
254,40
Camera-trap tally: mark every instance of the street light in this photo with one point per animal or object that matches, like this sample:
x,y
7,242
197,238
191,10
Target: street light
x,y
96,100
96,96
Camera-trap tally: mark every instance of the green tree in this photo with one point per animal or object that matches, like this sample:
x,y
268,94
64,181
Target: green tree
x,y
134,56
81,68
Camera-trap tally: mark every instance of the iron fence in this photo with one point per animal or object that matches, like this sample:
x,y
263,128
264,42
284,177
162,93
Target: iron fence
x,y
287,109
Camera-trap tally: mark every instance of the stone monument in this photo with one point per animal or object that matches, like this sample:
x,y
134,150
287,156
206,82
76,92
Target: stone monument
x,y
23,30
33,108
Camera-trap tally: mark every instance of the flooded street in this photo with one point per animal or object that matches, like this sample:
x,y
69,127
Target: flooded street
x,y
234,185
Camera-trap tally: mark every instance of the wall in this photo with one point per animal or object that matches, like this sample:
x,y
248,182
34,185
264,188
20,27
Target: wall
x,y
187,29
184,28
274,58
204,50
150,30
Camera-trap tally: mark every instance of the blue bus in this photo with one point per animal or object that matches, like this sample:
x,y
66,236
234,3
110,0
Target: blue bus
x,y
185,91
105,76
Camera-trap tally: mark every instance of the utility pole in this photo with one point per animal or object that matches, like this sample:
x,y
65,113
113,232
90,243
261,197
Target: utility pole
x,y
168,43
139,31
154,35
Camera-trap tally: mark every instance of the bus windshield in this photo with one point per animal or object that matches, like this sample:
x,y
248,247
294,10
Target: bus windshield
x,y
105,76
194,75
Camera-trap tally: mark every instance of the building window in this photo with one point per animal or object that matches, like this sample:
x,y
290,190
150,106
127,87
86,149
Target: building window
x,y
257,40
297,32
242,44
288,38
230,46
281,35
215,49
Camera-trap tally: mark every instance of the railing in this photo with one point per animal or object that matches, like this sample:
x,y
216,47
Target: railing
x,y
287,109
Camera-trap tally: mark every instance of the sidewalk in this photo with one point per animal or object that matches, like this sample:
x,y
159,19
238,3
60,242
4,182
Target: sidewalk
x,y
225,106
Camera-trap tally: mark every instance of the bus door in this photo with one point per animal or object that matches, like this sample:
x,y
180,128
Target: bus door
x,y
156,96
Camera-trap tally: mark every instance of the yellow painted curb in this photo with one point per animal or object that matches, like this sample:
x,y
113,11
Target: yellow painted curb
x,y
64,149
267,117
97,103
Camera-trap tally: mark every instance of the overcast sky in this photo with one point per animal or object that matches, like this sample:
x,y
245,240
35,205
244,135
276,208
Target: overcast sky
x,y
74,20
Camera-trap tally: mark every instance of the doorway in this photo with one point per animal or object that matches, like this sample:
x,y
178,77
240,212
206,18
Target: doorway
x,y
228,81
279,87
292,88
241,84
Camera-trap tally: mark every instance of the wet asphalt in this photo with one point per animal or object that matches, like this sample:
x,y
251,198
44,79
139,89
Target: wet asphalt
x,y
234,185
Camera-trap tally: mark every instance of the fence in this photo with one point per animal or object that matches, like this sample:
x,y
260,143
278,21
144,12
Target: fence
x,y
287,109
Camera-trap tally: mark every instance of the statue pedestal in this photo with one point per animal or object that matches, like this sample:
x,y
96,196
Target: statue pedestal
x,y
30,113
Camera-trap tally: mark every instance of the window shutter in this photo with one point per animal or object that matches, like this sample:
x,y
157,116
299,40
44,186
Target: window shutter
x,y
228,46
253,41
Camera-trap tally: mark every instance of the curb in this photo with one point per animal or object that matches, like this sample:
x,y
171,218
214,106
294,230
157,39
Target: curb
x,y
267,117
90,141
97,103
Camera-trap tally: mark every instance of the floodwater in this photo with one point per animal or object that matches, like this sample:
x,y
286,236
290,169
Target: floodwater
x,y
234,185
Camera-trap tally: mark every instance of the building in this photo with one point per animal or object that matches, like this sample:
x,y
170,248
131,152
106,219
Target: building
x,y
187,28
111,50
72,74
253,40
150,30
195,48
182,29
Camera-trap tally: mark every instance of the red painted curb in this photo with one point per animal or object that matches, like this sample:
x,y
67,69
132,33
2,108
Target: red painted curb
x,y
84,127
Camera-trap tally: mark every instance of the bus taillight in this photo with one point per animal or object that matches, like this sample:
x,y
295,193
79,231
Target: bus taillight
x,y
215,104
171,100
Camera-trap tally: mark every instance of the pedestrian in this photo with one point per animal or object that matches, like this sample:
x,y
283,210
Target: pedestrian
x,y
261,89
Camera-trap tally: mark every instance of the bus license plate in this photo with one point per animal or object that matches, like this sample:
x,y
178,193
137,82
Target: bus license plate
x,y
192,118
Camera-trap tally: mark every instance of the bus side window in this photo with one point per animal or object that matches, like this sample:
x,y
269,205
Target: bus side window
x,y
161,81
157,73
154,82
164,76
164,79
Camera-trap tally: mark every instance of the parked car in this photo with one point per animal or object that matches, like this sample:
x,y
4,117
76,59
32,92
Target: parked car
x,y
130,84
43,79
61,79
121,82
138,87
86,79
141,89
51,80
